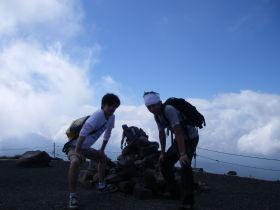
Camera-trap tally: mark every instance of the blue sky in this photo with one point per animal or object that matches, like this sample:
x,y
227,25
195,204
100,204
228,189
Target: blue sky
x,y
58,58
189,48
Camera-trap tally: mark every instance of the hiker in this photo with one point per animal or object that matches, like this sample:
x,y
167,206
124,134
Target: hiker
x,y
80,148
131,134
182,149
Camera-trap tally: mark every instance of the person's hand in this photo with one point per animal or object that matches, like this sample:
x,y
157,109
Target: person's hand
x,y
161,157
101,153
184,160
80,156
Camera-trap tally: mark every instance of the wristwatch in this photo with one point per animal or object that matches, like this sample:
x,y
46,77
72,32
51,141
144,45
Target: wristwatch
x,y
182,153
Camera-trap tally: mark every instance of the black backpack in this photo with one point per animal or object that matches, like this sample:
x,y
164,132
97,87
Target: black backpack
x,y
194,118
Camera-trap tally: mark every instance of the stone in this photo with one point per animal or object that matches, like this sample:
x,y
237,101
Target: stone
x,y
232,173
113,178
34,159
139,162
95,178
127,171
197,169
149,179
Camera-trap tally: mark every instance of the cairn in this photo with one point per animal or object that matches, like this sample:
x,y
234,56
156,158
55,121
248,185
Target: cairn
x,y
136,170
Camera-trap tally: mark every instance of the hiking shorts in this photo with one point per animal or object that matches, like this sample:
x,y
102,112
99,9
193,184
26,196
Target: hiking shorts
x,y
88,153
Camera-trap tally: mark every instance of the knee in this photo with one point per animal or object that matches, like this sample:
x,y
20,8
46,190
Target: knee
x,y
75,163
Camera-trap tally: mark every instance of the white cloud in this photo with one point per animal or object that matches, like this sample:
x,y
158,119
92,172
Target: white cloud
x,y
54,16
108,81
264,140
40,89
242,122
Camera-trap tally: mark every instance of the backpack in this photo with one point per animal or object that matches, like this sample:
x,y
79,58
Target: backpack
x,y
138,132
75,127
194,118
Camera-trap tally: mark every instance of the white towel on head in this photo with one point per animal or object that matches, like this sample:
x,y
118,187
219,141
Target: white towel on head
x,y
151,98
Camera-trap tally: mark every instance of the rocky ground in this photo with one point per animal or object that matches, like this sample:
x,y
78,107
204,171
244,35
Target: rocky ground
x,y
46,188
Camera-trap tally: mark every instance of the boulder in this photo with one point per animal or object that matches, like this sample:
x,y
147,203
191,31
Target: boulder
x,y
34,159
149,179
232,173
113,178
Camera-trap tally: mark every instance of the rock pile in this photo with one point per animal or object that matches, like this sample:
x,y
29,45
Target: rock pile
x,y
135,171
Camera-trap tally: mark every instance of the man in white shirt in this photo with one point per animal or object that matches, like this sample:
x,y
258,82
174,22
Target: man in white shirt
x,y
100,121
182,149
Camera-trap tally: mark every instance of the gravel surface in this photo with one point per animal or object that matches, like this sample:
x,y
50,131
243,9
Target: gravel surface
x,y
46,188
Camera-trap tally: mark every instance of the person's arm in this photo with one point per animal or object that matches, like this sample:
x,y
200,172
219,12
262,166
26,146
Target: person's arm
x,y
184,159
78,147
122,141
107,136
104,143
162,139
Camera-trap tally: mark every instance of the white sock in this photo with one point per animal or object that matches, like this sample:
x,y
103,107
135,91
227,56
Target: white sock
x,y
73,195
101,185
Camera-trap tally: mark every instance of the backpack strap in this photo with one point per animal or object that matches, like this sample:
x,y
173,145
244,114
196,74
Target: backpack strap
x,y
95,131
165,118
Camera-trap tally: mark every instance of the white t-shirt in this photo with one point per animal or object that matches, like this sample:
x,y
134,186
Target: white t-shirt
x,y
96,122
174,117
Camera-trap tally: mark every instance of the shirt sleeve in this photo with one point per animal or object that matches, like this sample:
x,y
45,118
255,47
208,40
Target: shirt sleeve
x,y
91,124
108,131
172,116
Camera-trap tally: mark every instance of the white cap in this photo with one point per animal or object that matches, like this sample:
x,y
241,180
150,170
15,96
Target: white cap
x,y
151,98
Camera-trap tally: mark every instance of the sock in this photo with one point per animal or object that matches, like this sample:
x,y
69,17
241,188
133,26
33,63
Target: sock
x,y
101,185
73,195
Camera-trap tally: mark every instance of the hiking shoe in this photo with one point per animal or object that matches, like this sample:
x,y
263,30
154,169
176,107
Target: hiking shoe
x,y
109,188
73,203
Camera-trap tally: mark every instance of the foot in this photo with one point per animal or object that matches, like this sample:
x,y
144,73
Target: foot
x,y
73,203
108,189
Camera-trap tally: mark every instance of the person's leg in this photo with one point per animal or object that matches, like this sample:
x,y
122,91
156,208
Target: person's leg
x,y
73,170
187,174
102,168
170,158
72,177
101,160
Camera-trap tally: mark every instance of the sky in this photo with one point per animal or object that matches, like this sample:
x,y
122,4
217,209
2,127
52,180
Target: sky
x,y
58,58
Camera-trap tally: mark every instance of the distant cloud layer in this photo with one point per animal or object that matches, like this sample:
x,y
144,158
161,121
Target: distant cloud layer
x,y
246,121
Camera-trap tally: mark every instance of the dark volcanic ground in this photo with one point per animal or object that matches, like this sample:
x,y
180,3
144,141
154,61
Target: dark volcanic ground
x,y
46,188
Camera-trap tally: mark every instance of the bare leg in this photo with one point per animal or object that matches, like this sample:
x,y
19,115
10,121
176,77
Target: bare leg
x,y
73,174
102,168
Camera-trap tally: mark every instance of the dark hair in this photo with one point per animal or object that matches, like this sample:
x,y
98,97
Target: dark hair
x,y
146,93
111,100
